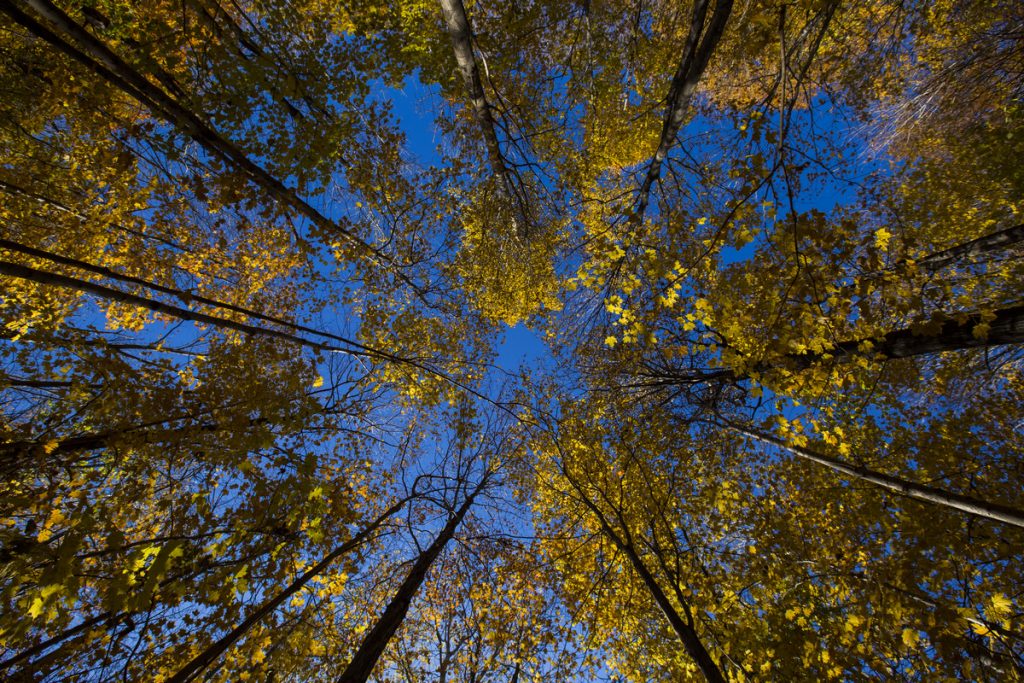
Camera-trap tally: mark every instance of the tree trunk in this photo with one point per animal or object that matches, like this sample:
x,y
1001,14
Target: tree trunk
x,y
683,628
1007,327
54,279
16,456
1001,239
461,34
354,348
375,642
180,294
97,57
462,45
208,656
903,487
697,54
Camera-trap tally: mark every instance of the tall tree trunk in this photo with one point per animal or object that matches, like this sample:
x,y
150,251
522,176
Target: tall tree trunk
x,y
74,40
353,349
1006,327
208,656
108,619
180,294
55,279
683,628
375,642
16,456
986,244
700,44
461,34
1000,239
903,487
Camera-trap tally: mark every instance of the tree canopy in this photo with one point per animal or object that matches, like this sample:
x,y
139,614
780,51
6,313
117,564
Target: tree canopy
x,y
259,260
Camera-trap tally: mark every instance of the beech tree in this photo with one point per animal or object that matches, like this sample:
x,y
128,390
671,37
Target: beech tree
x,y
256,418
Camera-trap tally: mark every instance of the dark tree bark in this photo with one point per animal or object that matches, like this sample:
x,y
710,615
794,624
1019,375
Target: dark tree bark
x,y
1006,327
180,294
684,628
204,659
376,641
700,44
74,40
898,485
55,279
1000,239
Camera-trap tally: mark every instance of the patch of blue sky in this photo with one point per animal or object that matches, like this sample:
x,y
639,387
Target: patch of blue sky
x,y
522,347
416,105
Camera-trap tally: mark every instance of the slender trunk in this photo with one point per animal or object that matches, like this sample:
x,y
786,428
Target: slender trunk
x,y
903,487
180,294
96,56
922,598
375,642
684,628
461,34
109,619
354,348
462,45
1006,327
104,292
696,55
17,456
208,656
9,381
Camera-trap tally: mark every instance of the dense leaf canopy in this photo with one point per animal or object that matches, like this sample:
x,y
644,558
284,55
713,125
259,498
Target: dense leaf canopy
x,y
258,421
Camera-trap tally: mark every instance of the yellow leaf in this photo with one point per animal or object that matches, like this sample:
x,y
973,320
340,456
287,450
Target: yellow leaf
x,y
1000,606
882,238
54,519
910,637
980,629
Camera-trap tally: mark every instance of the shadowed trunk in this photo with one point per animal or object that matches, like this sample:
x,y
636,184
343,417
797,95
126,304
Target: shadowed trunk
x,y
903,487
700,44
208,656
1006,327
75,41
375,642
684,628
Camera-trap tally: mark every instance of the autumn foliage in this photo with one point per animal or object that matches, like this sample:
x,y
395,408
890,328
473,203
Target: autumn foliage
x,y
258,259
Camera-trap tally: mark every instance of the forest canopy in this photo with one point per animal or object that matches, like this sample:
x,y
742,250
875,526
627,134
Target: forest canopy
x,y
264,263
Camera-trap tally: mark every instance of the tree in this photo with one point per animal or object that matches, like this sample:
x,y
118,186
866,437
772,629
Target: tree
x,y
256,422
